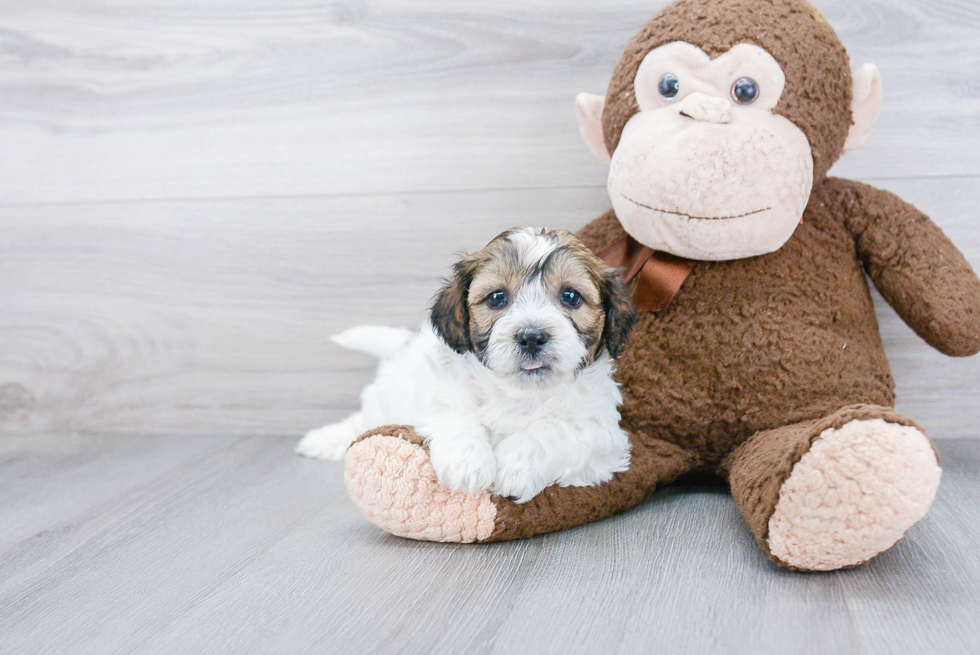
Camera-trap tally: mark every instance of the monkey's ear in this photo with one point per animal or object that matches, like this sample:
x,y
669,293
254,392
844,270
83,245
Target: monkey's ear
x,y
588,110
865,105
617,301
450,314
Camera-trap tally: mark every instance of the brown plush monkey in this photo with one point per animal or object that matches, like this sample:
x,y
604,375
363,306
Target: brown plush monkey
x,y
759,356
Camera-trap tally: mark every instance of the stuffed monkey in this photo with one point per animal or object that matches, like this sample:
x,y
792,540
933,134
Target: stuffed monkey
x,y
757,355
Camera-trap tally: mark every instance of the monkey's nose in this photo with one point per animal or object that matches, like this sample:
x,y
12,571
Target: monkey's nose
x,y
706,108
532,340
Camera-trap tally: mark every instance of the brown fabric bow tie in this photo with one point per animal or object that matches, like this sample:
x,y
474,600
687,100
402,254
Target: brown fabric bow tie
x,y
655,276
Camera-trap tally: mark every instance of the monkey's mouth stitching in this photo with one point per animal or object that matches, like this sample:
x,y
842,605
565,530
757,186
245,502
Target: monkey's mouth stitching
x,y
698,218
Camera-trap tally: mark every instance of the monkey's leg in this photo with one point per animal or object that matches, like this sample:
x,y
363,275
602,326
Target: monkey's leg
x,y
834,492
391,481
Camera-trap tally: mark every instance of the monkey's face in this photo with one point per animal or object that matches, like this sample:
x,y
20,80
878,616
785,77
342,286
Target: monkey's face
x,y
705,169
719,119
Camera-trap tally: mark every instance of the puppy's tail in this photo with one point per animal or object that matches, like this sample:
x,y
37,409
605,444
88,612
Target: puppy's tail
x,y
375,340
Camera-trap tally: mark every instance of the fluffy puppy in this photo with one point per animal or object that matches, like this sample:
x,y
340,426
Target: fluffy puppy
x,y
510,382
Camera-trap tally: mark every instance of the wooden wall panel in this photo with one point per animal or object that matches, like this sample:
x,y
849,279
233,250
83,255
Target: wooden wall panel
x,y
107,101
212,316
194,195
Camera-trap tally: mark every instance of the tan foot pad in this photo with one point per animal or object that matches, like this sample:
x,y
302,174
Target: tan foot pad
x,y
853,495
392,483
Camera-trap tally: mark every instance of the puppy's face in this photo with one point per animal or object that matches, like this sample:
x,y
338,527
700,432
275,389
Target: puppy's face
x,y
535,305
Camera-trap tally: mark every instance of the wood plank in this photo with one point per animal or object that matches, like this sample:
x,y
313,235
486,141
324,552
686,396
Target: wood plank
x,y
251,549
56,490
212,317
138,317
102,101
36,469
165,544
684,574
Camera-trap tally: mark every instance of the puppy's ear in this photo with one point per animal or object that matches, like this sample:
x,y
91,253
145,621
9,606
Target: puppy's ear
x,y
449,313
617,301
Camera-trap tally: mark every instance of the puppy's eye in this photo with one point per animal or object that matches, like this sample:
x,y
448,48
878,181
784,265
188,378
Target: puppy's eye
x,y
669,86
497,299
571,298
745,91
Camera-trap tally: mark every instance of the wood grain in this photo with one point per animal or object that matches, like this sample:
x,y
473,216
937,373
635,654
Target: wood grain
x,y
212,317
195,195
102,101
236,545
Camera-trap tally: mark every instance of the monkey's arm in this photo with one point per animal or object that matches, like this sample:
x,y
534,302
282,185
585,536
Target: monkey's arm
x,y
915,266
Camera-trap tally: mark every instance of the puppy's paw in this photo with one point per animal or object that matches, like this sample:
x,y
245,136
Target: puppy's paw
x,y
463,464
521,470
329,442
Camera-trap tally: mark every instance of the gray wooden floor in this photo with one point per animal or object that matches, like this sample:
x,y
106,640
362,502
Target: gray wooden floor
x,y
202,544
195,195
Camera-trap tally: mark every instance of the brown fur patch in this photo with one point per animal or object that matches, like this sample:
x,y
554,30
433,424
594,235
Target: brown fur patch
x,y
449,313
463,318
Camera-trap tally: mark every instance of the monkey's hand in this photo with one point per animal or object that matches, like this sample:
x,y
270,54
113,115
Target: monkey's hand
x,y
915,266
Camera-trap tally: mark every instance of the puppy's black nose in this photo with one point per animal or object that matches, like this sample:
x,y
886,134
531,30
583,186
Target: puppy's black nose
x,y
531,340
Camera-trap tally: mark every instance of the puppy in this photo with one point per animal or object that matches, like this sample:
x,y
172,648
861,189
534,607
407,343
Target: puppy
x,y
510,382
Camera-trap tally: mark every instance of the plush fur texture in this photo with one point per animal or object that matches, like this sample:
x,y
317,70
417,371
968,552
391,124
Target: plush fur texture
x,y
399,492
496,410
759,468
752,344
852,495
699,174
817,95
769,370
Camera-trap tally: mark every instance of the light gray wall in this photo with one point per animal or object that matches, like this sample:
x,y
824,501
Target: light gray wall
x,y
194,195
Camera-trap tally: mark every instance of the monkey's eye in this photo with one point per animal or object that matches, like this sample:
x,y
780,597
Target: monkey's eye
x,y
571,298
745,91
497,299
669,86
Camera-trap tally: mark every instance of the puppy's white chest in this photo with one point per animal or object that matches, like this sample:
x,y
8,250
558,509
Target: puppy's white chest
x,y
506,416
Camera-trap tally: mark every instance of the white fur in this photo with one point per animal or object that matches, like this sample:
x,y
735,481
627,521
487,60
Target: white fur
x,y
377,340
562,354
513,423
487,431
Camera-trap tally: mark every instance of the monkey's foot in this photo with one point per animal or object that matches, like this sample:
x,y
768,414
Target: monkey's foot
x,y
853,495
391,481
